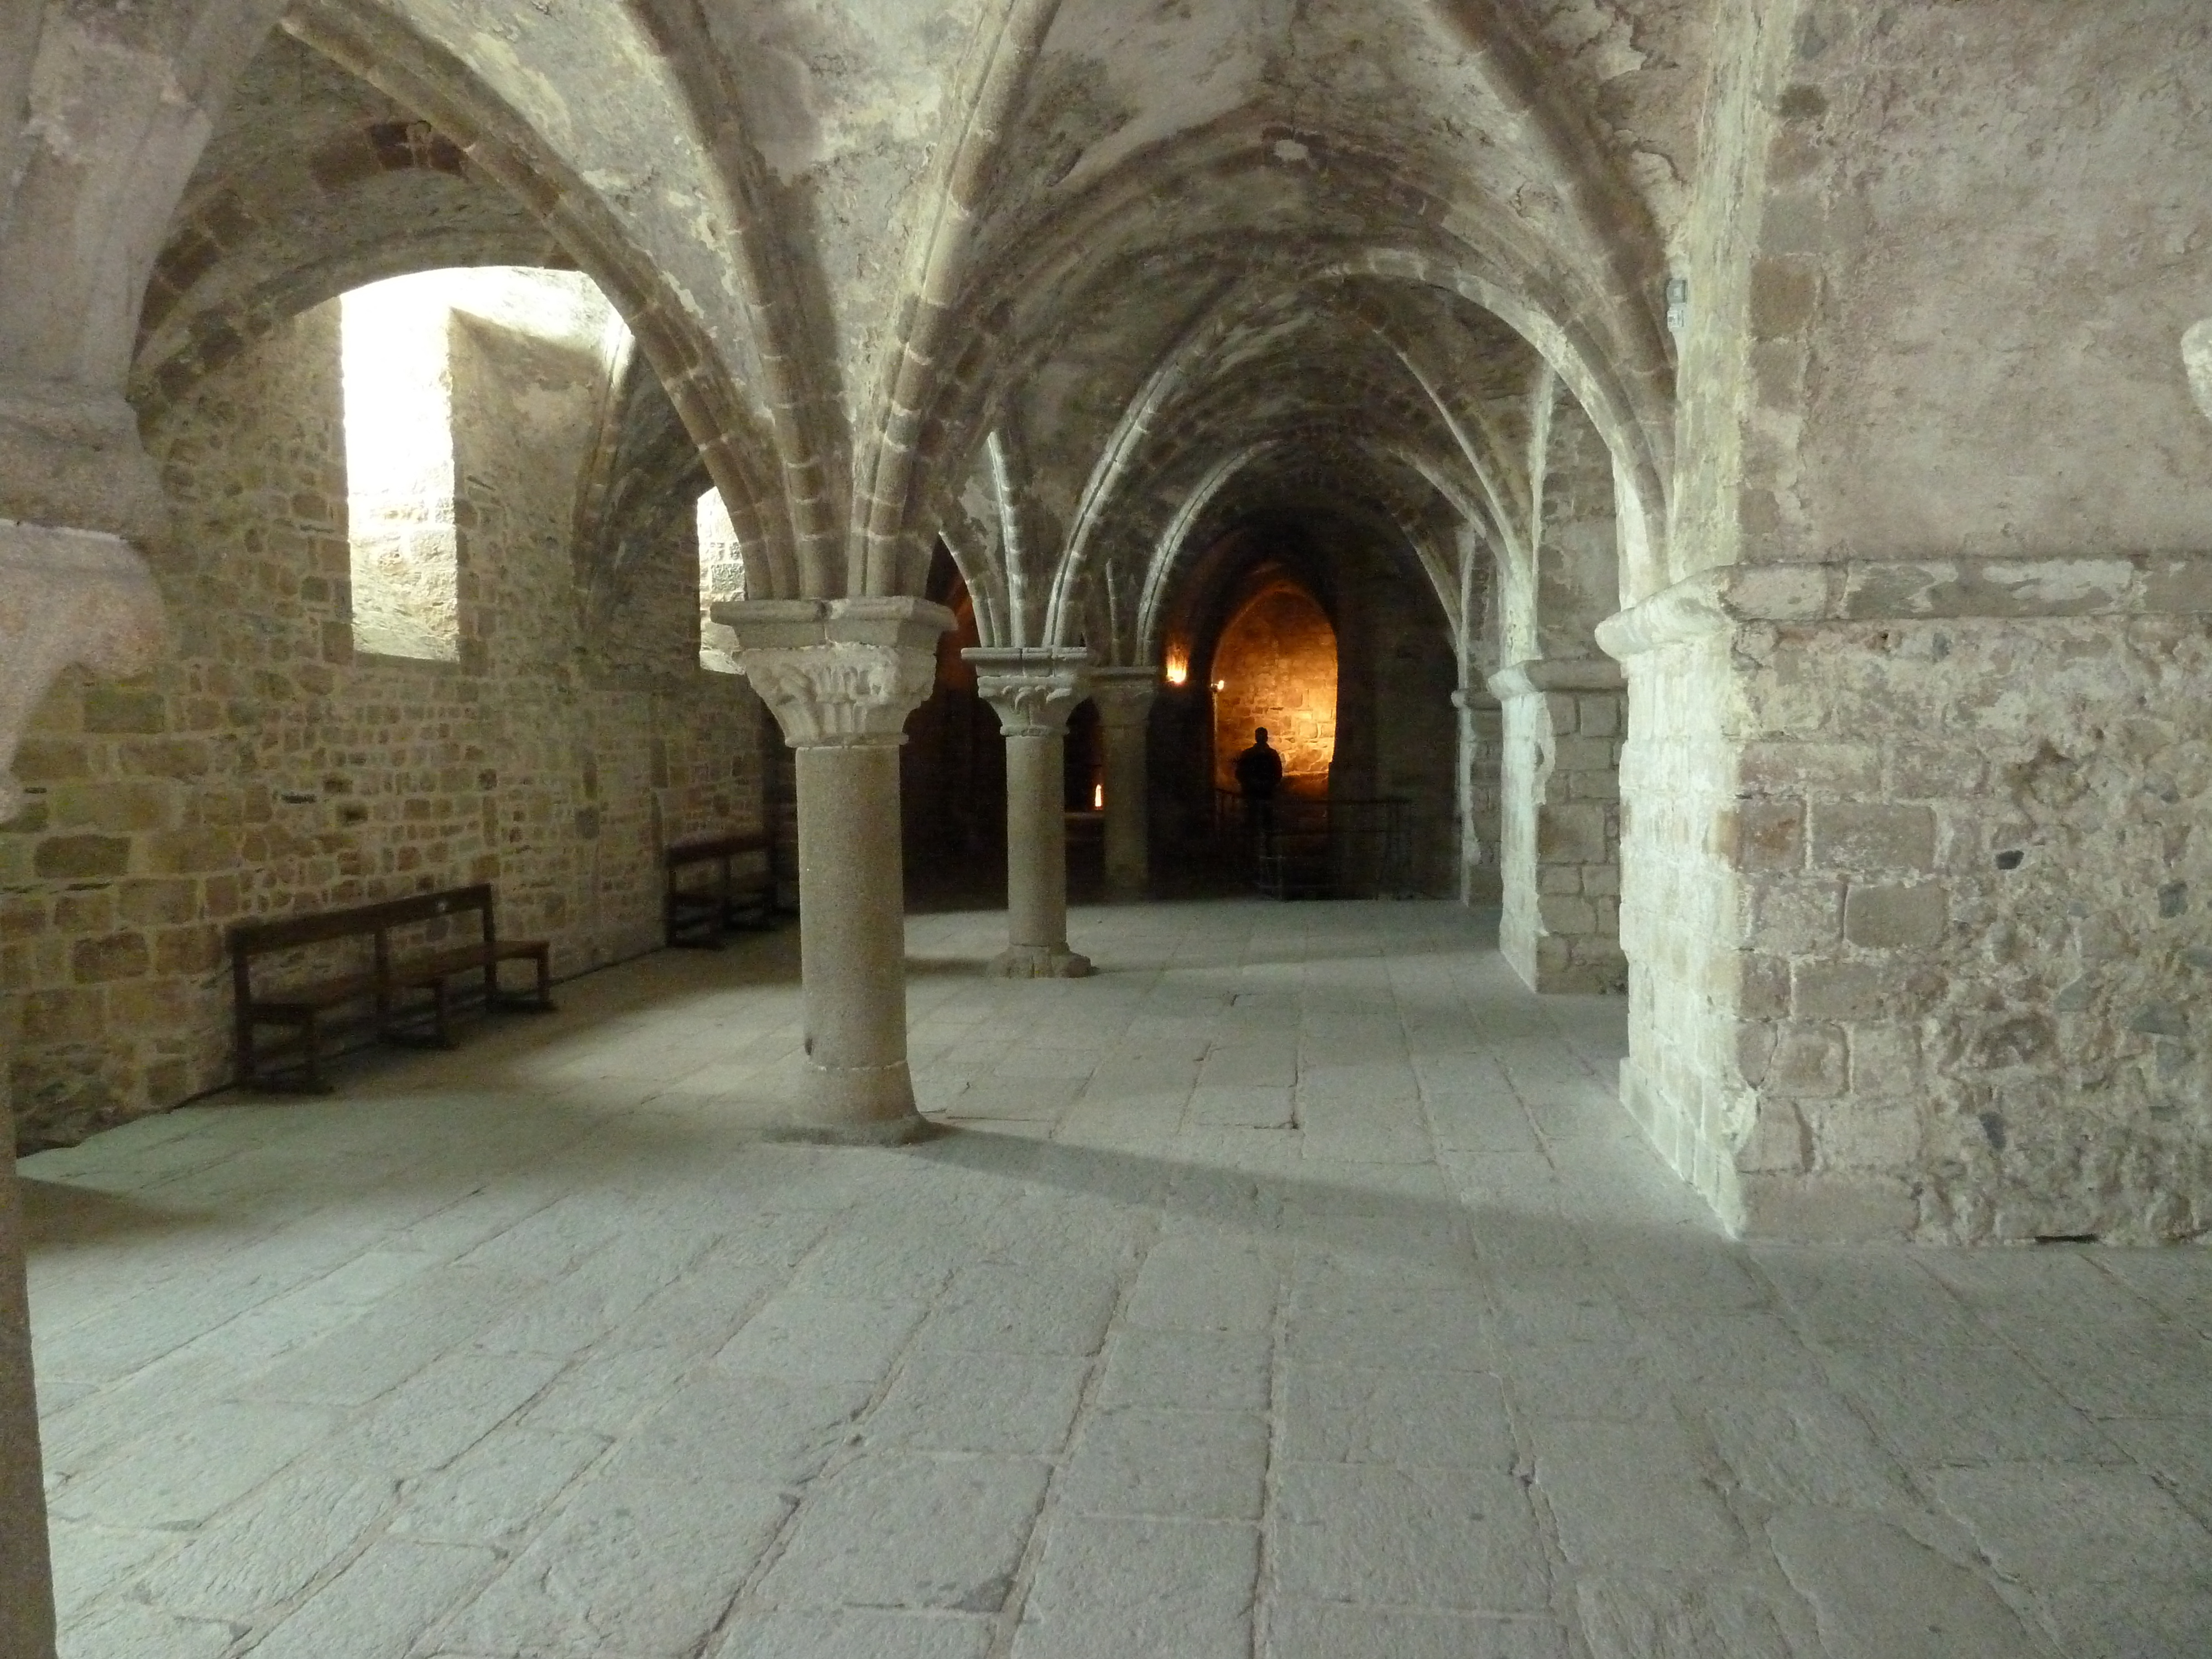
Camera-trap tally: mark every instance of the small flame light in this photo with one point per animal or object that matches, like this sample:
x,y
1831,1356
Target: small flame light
x,y
1098,797
1178,668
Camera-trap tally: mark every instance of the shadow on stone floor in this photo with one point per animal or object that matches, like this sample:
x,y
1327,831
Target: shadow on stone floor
x,y
57,1212
1438,1232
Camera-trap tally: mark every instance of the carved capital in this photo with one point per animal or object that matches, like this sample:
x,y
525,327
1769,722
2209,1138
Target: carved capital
x,y
66,596
1539,675
838,671
1035,689
1124,696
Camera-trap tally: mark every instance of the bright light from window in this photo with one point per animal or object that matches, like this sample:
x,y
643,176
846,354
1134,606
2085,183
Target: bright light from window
x,y
399,468
721,576
396,360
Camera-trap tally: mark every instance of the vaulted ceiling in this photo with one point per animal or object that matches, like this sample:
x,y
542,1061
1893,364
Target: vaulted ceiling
x,y
1073,282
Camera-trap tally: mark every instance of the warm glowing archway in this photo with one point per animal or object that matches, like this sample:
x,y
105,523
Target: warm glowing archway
x,y
1276,666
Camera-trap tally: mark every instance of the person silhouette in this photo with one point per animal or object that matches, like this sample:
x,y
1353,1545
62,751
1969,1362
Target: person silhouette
x,y
1259,775
1259,768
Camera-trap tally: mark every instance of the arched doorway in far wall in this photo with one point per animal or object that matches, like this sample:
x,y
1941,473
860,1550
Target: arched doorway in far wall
x,y
1276,666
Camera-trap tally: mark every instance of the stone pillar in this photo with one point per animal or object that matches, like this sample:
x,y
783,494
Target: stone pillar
x,y
27,1600
1035,690
1124,698
841,676
1560,830
66,597
1478,786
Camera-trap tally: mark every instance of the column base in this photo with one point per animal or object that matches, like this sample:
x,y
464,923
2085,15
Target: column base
x,y
855,1106
891,1132
1039,961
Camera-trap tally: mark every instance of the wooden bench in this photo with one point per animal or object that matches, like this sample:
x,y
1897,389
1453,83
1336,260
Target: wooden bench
x,y
384,984
697,917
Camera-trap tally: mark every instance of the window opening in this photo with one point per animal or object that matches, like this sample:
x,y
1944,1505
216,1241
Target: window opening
x,y
721,576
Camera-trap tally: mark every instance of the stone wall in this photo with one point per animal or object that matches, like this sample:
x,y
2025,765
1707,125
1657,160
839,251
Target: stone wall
x,y
268,767
1560,832
1963,865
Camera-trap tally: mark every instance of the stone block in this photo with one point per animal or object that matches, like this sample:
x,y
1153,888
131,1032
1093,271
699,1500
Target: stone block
x,y
1780,767
1836,990
910,1532
52,759
152,1005
1584,754
1380,1535
855,1633
1761,984
979,1403
1567,914
191,852
116,955
2182,585
1777,1144
52,1017
1809,1060
1598,716
1885,1057
188,949
159,900
1879,1592
1199,1466
1109,1589
63,858
1896,918
1766,835
1187,1370
115,709
1572,834
1851,838
1794,915
1433,1419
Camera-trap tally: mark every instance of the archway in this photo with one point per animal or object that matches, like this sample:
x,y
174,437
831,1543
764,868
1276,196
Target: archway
x,y
1276,666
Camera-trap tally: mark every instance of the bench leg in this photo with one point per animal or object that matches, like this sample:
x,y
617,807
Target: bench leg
x,y
311,1043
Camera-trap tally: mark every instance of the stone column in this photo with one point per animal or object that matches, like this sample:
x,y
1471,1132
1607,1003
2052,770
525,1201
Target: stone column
x,y
1560,830
66,597
1124,697
1478,787
841,676
1035,690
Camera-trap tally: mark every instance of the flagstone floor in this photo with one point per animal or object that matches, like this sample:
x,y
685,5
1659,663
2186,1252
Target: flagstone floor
x,y
1293,1288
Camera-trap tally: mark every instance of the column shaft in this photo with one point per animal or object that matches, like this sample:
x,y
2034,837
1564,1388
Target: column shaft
x,y
1035,690
852,936
1036,843
27,1600
1128,856
1124,698
66,596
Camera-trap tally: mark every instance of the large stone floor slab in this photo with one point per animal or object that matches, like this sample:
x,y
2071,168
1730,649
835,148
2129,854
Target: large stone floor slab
x,y
1293,1287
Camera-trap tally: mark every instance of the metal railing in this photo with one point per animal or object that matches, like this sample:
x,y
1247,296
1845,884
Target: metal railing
x,y
1317,846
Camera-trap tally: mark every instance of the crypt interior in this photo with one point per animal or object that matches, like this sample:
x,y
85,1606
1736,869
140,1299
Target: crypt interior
x,y
1684,1131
